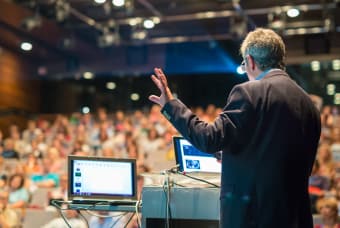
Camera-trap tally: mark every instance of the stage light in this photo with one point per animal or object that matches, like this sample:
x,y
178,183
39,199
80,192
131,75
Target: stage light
x,y
26,46
330,89
336,64
156,20
315,65
148,24
337,98
85,110
100,1
88,75
139,34
134,97
133,22
118,3
110,85
293,12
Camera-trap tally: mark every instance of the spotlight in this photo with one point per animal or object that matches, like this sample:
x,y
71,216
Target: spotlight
x,y
148,24
293,12
337,98
330,89
100,1
26,46
85,110
88,75
336,64
118,3
315,65
134,97
139,34
111,85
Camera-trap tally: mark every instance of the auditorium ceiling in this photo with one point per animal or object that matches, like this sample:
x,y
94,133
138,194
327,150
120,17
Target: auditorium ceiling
x,y
129,37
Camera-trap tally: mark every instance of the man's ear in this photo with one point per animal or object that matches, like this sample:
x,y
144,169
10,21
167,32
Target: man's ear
x,y
251,62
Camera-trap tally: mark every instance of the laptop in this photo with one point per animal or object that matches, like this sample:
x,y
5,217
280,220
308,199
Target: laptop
x,y
191,160
102,180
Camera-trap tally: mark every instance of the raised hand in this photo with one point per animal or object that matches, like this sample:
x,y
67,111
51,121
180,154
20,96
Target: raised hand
x,y
161,82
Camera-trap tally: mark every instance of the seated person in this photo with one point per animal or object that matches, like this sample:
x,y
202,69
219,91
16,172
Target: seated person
x,y
8,216
9,151
72,218
328,209
46,179
318,185
18,194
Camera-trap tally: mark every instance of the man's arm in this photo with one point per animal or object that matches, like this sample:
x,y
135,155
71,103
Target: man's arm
x,y
204,136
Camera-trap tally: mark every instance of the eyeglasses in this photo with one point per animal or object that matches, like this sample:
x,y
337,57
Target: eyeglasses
x,y
243,66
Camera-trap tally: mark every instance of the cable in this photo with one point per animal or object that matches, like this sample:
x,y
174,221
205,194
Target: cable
x,y
60,209
198,179
166,190
129,220
121,216
137,214
81,215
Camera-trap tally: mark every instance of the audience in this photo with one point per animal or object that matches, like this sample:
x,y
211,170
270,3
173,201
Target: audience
x,y
42,148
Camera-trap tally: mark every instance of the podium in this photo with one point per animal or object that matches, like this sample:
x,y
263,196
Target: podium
x,y
189,207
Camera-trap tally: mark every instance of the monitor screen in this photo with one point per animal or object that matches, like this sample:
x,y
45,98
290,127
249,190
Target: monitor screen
x,y
101,178
191,159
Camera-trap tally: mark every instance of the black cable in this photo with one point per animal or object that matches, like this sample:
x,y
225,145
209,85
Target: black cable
x,y
81,215
54,203
115,222
198,179
129,220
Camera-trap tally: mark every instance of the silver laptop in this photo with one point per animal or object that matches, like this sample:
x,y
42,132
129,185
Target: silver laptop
x,y
102,180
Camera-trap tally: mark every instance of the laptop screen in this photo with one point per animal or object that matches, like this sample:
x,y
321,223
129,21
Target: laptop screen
x,y
191,159
98,178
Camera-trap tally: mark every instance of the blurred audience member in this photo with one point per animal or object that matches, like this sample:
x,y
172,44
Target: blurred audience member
x,y
18,194
325,159
9,151
72,217
9,218
328,209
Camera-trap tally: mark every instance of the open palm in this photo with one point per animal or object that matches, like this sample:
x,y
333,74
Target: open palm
x,y
161,82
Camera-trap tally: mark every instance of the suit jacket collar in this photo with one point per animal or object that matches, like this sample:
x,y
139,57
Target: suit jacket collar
x,y
275,72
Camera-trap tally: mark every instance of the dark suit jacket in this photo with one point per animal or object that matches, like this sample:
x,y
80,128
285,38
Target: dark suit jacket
x,y
268,132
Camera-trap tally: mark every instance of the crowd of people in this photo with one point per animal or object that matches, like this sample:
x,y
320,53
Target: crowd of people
x,y
36,157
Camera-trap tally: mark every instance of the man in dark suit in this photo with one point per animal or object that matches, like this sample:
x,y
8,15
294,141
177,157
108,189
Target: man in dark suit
x,y
268,132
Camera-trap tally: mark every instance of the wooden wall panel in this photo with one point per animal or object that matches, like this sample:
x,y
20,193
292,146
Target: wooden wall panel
x,y
19,89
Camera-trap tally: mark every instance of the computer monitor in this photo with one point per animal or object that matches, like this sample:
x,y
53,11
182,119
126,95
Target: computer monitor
x,y
99,178
190,159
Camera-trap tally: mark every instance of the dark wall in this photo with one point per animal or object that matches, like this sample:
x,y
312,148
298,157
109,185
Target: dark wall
x,y
67,96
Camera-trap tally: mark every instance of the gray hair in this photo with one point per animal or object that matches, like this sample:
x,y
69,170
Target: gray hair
x,y
266,47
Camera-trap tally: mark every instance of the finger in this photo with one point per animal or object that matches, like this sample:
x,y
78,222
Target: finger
x,y
154,99
157,82
161,76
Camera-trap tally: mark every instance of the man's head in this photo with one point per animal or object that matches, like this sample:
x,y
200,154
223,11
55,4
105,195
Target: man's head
x,y
263,49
